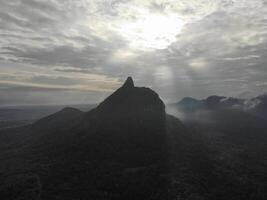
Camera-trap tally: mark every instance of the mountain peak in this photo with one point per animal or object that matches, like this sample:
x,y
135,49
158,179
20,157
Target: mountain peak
x,y
130,99
128,83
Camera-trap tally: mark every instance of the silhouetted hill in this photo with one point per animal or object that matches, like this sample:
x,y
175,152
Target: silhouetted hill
x,y
64,117
133,119
17,116
129,148
132,99
115,151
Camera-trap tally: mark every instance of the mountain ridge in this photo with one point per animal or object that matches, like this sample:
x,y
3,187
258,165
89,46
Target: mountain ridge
x,y
127,130
128,147
256,105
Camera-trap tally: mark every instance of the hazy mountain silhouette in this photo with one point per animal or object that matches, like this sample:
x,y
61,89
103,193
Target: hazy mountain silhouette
x,y
211,102
246,117
256,105
190,104
115,151
236,131
129,148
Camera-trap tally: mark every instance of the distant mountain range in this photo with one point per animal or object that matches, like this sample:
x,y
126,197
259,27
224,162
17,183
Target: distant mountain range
x,y
256,105
128,147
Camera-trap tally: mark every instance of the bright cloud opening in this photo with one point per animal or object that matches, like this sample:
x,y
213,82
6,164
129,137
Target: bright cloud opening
x,y
152,32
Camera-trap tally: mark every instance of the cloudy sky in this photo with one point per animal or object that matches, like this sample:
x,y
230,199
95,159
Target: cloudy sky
x,y
79,51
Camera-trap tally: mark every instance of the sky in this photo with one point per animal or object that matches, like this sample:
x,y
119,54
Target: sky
x,y
80,51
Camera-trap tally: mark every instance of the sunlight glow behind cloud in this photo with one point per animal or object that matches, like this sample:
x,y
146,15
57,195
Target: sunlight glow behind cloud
x,y
152,31
178,47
